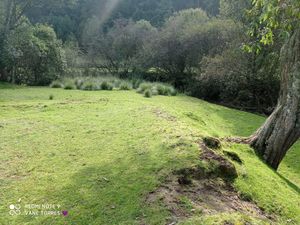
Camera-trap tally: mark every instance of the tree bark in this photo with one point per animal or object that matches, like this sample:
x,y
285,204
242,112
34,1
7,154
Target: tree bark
x,y
282,128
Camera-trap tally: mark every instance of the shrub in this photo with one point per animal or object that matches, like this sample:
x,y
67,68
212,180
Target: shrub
x,y
69,86
136,83
143,87
56,84
140,91
125,86
173,91
117,83
148,93
51,97
161,89
89,86
154,90
106,86
164,89
78,83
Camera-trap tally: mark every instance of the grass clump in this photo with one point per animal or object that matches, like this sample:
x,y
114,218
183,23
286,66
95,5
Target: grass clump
x,y
89,86
166,90
162,89
157,89
56,84
107,86
136,83
126,86
148,93
143,87
109,83
69,85
51,97
78,83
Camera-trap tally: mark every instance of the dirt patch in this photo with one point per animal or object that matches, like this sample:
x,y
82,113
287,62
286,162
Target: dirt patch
x,y
205,196
163,114
203,191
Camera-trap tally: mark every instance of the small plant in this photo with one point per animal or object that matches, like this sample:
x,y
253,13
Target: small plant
x,y
51,97
154,91
56,84
117,83
89,86
173,91
125,86
136,83
148,93
106,86
69,86
162,89
143,87
78,83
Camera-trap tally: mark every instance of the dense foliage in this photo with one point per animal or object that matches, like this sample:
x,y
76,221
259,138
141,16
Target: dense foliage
x,y
197,46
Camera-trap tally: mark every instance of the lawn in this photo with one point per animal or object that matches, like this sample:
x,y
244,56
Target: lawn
x,y
96,155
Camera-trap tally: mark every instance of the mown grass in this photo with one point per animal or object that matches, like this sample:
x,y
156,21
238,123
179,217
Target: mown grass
x,y
98,154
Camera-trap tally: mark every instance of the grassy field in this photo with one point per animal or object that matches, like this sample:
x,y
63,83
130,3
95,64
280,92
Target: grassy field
x,y
98,154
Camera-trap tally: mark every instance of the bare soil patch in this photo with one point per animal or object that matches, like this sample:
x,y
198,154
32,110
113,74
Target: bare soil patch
x,y
193,191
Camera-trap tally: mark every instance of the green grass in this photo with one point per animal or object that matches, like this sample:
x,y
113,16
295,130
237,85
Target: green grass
x,y
99,153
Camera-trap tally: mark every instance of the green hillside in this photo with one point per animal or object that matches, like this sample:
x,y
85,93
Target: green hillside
x,y
99,154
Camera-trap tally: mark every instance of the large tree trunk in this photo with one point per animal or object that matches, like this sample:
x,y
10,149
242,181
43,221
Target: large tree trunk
x,y
282,128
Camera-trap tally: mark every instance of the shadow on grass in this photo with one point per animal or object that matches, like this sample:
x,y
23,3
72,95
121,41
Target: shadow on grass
x,y
111,193
289,183
5,85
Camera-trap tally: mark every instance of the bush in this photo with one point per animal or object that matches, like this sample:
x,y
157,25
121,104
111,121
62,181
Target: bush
x,y
136,83
162,89
125,86
117,83
69,86
148,93
51,97
143,87
173,91
106,86
154,90
78,83
89,86
56,84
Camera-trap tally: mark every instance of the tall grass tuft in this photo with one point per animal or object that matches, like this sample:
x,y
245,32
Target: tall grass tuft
x,y
56,84
125,86
105,85
148,93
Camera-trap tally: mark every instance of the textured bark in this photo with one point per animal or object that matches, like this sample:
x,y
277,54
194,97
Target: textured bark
x,y
282,128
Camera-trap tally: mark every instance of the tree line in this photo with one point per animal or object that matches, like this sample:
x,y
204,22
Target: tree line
x,y
196,45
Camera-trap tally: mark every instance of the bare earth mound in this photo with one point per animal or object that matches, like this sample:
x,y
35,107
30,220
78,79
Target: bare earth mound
x,y
190,192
